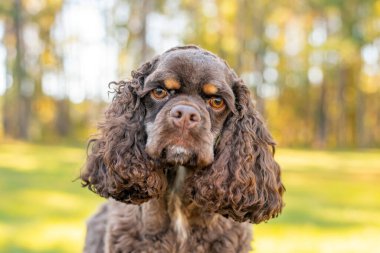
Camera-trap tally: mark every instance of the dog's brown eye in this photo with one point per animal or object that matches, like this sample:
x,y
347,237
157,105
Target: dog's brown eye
x,y
216,103
159,93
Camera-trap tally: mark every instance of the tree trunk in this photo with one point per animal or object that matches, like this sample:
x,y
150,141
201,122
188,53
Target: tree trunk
x,y
360,131
62,120
258,26
17,104
341,103
146,9
322,117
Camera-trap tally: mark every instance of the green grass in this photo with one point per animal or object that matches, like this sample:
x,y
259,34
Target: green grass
x,y
41,208
332,201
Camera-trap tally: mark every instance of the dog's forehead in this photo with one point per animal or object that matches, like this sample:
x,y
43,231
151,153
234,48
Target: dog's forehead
x,y
195,66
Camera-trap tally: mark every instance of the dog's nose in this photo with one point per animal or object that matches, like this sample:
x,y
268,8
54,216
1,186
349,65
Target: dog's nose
x,y
185,116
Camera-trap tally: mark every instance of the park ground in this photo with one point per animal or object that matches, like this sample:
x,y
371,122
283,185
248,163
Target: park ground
x,y
332,201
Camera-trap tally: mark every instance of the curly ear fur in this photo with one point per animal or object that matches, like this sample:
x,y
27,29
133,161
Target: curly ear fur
x,y
244,180
117,165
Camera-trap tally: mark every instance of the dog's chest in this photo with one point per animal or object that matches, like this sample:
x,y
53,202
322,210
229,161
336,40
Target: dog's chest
x,y
178,216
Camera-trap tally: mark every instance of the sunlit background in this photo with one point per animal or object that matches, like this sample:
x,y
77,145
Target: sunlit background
x,y
313,68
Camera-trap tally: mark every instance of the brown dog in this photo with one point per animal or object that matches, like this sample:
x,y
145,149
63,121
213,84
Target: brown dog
x,y
185,159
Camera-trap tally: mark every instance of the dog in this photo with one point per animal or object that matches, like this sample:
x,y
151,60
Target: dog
x,y
184,158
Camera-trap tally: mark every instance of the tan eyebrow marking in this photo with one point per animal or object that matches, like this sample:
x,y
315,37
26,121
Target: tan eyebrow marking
x,y
172,84
210,89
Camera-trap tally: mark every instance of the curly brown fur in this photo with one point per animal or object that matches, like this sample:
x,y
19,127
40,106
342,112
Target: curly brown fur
x,y
186,164
117,166
244,180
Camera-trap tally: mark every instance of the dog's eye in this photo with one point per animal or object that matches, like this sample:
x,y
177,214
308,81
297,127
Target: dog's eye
x,y
216,103
159,93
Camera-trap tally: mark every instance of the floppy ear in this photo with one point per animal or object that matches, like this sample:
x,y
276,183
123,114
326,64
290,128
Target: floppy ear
x,y
117,165
244,180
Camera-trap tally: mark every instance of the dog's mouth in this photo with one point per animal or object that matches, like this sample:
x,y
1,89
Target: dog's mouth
x,y
177,152
179,156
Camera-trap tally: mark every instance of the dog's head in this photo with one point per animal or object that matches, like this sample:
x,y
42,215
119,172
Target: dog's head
x,y
187,108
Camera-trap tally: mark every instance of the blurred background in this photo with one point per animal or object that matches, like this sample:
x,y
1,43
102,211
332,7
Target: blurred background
x,y
313,68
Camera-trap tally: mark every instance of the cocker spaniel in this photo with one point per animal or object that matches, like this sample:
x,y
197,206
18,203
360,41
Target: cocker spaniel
x,y
184,159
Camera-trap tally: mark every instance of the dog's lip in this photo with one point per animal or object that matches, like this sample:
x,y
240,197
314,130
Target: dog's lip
x,y
177,155
177,152
178,149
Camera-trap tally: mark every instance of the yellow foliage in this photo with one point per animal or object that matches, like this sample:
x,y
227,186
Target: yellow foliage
x,y
46,21
347,49
48,59
55,3
45,109
377,7
370,84
230,44
228,8
280,16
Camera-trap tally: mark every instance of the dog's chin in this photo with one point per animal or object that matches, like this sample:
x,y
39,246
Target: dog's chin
x,y
174,154
179,156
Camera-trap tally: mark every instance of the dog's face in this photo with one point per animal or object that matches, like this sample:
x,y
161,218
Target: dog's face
x,y
188,97
187,108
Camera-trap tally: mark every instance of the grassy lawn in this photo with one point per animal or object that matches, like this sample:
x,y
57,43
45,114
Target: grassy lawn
x,y
332,204
332,201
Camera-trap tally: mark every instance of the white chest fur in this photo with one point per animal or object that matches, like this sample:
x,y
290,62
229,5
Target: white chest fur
x,y
179,220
